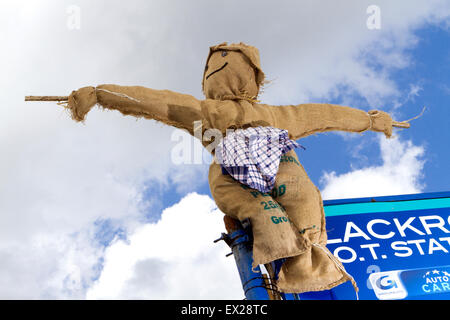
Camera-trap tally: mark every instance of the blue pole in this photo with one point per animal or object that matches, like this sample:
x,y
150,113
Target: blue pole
x,y
239,239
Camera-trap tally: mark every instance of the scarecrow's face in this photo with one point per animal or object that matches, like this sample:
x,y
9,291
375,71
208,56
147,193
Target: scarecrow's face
x,y
229,73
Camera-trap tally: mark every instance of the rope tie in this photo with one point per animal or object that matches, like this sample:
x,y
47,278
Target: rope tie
x,y
122,95
272,286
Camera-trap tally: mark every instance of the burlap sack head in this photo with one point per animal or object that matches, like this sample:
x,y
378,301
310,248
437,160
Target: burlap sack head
x,y
232,71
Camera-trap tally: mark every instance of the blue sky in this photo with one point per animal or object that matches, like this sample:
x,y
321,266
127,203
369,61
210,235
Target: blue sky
x,y
87,209
430,72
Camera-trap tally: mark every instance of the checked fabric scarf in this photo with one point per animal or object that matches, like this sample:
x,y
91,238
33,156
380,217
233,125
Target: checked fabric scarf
x,y
252,156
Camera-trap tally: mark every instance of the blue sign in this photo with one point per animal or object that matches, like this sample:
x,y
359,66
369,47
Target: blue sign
x,y
395,247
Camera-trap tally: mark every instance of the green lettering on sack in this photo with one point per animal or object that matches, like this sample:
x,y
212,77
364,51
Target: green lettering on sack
x,y
254,194
281,190
268,205
278,192
277,220
289,159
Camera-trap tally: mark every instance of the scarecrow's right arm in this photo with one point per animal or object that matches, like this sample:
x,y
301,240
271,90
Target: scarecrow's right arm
x,y
306,119
172,108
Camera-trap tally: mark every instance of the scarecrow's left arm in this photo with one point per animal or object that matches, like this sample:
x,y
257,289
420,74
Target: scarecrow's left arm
x,y
306,119
172,108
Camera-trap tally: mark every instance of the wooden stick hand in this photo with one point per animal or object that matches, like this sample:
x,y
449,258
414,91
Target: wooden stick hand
x,y
47,98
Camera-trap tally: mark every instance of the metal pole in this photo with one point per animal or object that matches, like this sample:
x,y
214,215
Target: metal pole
x,y
239,239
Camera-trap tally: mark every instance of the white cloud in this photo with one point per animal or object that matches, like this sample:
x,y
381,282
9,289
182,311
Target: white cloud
x,y
400,173
48,267
174,258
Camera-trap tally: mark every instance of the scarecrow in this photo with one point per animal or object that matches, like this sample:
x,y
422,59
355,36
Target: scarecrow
x,y
256,173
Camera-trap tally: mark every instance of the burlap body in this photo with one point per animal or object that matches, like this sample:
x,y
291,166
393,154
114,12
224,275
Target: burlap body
x,y
286,223
274,237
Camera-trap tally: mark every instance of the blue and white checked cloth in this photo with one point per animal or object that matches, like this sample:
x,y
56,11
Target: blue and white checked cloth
x,y
252,156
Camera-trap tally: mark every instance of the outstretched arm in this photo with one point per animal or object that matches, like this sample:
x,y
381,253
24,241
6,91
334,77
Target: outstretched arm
x,y
172,108
306,119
